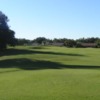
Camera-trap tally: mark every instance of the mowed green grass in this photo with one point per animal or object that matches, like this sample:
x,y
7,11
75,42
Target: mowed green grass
x,y
50,73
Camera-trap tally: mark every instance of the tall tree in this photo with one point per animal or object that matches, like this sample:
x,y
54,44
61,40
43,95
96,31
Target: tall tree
x,y
6,34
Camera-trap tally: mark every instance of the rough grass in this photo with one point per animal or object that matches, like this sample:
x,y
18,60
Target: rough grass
x,y
50,73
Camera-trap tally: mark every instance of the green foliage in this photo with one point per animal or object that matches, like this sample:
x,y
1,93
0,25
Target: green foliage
x,y
87,40
6,34
40,40
98,43
23,42
70,43
3,21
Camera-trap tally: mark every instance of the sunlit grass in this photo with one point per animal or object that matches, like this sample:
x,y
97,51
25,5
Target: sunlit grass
x,y
50,73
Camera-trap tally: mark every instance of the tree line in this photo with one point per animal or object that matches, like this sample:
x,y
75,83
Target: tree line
x,y
82,42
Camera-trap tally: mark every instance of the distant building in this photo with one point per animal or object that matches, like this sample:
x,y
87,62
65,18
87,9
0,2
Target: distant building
x,y
88,44
35,44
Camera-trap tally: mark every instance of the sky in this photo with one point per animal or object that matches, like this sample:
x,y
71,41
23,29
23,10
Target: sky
x,y
71,19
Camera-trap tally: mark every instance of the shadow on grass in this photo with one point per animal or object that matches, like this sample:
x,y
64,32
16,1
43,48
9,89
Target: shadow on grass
x,y
22,51
27,64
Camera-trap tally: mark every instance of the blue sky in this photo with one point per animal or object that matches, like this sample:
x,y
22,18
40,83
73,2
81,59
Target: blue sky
x,y
53,18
